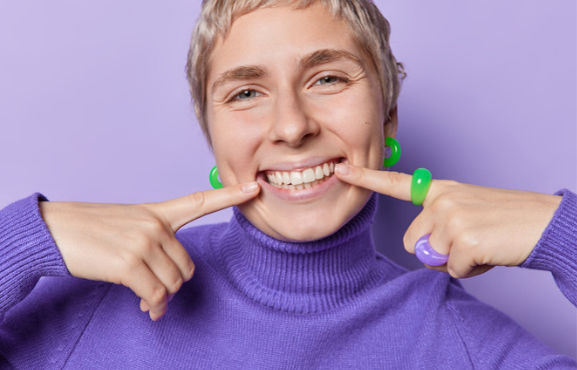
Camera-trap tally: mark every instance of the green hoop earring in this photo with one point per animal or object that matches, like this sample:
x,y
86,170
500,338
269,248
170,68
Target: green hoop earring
x,y
395,152
213,177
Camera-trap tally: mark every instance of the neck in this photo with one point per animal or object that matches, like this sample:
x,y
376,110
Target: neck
x,y
301,277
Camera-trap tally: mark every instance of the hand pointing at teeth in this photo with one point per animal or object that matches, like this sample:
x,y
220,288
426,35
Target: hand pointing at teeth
x,y
478,227
134,244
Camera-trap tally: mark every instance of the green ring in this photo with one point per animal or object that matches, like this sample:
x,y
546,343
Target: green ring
x,y
213,177
395,152
420,185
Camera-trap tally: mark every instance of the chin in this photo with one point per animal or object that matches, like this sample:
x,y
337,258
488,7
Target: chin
x,y
300,230
305,222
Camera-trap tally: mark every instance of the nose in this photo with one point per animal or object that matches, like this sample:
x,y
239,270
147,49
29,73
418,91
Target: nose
x,y
291,124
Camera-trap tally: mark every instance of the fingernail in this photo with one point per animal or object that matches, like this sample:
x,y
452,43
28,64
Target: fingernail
x,y
343,169
249,187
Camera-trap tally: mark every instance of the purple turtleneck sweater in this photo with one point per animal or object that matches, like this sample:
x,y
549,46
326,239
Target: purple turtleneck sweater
x,y
259,303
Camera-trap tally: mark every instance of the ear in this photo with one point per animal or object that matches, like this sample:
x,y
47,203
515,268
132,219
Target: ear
x,y
391,123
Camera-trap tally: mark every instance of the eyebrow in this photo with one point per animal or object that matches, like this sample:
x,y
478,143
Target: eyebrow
x,y
316,58
325,56
241,73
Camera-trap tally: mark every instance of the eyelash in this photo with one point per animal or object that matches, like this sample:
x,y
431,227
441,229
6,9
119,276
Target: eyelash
x,y
337,79
237,96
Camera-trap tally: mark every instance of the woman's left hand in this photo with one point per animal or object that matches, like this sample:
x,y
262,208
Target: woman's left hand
x,y
478,227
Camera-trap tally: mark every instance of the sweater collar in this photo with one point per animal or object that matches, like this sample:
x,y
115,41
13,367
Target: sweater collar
x,y
301,277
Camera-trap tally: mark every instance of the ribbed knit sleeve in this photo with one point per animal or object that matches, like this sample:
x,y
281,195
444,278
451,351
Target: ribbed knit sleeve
x,y
556,251
27,251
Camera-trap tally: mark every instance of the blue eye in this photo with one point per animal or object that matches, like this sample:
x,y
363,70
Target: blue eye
x,y
327,80
246,94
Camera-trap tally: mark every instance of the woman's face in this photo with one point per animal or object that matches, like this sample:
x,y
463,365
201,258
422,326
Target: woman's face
x,y
289,94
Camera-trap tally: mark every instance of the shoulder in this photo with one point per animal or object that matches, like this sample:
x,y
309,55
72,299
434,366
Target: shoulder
x,y
489,337
440,295
435,307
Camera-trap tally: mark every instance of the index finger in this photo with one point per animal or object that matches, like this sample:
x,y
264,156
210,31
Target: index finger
x,y
394,184
180,211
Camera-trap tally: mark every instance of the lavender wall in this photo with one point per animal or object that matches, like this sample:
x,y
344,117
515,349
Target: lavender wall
x,y
490,100
94,107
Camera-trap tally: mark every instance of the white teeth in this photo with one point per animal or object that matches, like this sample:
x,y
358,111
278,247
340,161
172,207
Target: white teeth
x,y
296,178
309,175
319,173
301,179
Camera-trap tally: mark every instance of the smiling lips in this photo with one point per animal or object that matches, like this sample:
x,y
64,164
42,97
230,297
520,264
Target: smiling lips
x,y
304,179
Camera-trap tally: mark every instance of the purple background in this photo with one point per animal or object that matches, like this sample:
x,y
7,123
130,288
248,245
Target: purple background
x,y
94,106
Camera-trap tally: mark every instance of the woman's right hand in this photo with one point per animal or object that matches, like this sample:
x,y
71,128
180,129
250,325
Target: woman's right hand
x,y
134,244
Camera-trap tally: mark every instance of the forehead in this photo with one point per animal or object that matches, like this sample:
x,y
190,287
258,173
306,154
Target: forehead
x,y
281,33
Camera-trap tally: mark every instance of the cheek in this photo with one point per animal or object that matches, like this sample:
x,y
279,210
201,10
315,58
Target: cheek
x,y
235,139
356,119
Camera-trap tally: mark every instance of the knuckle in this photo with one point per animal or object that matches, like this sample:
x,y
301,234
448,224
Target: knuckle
x,y
138,239
131,262
141,245
176,284
143,250
451,184
154,226
467,240
394,178
184,264
443,203
157,295
198,199
126,267
456,225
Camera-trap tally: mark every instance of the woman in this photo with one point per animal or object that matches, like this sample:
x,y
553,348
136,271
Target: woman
x,y
293,280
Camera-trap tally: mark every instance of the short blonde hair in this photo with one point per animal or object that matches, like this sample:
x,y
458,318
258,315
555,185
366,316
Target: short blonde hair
x,y
370,29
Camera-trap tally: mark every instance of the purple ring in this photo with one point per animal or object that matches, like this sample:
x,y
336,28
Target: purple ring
x,y
426,254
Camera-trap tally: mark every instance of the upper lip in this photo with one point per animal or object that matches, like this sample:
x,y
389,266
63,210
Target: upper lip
x,y
298,165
